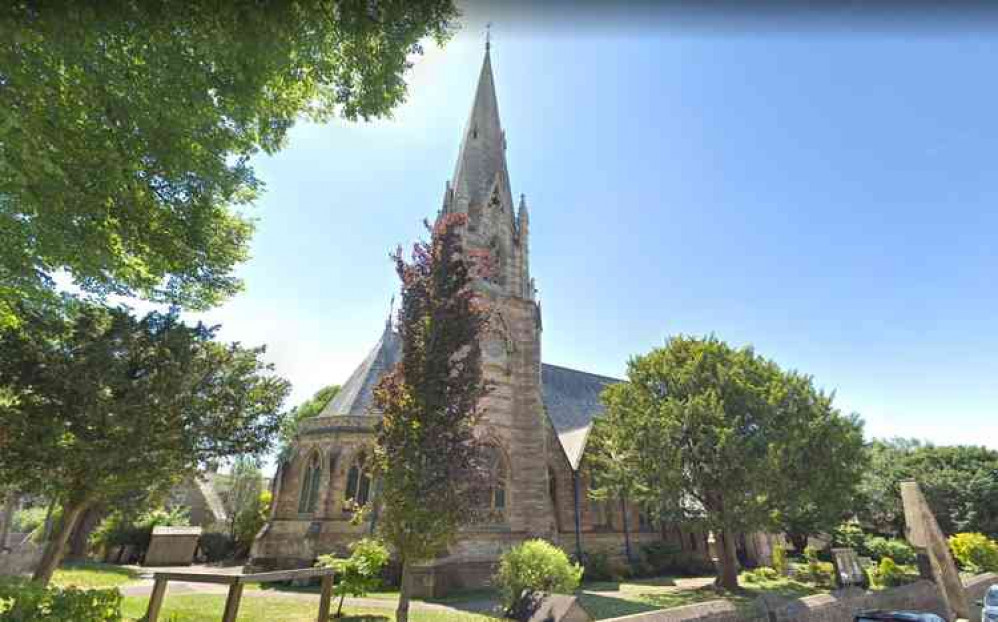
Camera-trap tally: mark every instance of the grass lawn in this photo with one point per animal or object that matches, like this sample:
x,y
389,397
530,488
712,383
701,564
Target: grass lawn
x,y
208,608
92,575
610,600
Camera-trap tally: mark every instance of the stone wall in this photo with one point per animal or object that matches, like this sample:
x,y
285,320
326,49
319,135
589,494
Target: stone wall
x,y
21,559
838,606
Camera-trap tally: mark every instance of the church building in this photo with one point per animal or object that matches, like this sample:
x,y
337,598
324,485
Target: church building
x,y
536,418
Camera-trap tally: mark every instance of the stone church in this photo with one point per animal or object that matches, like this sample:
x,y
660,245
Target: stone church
x,y
536,422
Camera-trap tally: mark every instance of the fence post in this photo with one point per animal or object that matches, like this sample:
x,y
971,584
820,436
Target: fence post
x,y
232,602
156,600
324,597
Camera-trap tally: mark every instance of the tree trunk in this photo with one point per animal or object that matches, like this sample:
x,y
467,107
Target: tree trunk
x,y
79,540
727,577
55,548
402,613
627,530
7,519
799,541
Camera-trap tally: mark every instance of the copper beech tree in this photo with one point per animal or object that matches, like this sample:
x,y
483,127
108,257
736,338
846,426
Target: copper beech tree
x,y
104,404
427,457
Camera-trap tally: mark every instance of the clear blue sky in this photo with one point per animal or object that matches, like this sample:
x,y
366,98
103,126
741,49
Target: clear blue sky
x,y
827,197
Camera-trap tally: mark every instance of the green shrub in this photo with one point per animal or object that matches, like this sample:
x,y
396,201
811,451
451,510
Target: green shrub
x,y
217,546
248,522
849,535
26,520
23,601
360,573
762,574
898,550
816,571
535,566
120,529
889,574
597,567
669,559
975,552
780,563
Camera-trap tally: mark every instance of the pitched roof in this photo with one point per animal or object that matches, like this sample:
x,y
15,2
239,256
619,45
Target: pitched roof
x,y
356,397
571,397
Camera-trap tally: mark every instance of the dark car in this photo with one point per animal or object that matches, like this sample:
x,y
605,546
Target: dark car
x,y
877,615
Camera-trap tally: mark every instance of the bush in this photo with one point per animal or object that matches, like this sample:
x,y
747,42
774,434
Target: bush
x,y
120,529
28,519
816,571
900,551
762,574
217,546
249,521
889,574
534,567
23,601
849,535
597,567
975,552
780,563
360,573
669,559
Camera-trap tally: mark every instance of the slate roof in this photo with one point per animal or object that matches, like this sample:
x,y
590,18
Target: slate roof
x,y
571,397
356,397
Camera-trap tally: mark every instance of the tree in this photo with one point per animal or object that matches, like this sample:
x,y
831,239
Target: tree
x,y
705,425
823,451
359,573
960,484
244,499
126,128
107,403
612,465
306,410
427,456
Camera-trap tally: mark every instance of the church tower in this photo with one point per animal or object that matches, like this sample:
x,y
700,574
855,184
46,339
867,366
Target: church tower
x,y
514,422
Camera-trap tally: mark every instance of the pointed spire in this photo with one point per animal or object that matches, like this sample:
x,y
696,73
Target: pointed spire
x,y
483,148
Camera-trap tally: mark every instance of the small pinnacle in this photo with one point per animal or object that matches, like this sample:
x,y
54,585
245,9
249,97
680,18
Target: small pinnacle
x,y
488,36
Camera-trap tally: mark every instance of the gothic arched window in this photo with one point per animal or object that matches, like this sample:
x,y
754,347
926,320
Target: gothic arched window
x,y
309,498
358,490
491,499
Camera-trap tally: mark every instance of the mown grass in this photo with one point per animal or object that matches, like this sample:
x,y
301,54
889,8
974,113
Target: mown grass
x,y
208,608
611,600
93,575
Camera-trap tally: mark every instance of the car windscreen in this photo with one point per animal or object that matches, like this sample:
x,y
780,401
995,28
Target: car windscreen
x,y
991,600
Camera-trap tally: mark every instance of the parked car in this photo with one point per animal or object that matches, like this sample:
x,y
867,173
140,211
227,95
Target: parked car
x,y
877,615
989,606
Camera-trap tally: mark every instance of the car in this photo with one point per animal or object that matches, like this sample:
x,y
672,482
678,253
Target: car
x,y
877,615
989,605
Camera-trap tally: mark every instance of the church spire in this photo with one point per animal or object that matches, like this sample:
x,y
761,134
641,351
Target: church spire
x,y
482,158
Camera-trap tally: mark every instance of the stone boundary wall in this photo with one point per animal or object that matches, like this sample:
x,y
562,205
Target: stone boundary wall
x,y
21,559
839,606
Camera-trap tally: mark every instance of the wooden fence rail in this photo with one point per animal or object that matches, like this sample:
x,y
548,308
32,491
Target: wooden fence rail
x,y
236,583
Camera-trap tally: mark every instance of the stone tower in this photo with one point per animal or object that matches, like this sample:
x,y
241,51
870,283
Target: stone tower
x,y
514,421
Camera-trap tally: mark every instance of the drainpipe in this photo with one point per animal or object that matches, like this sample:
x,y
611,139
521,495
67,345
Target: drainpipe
x,y
627,529
375,503
578,516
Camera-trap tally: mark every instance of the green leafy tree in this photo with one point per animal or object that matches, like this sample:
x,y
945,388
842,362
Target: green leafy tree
x,y
427,457
824,452
611,462
306,410
960,484
707,425
108,403
360,573
244,500
127,128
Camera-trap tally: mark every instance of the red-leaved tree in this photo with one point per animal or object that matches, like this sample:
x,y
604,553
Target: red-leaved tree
x,y
427,455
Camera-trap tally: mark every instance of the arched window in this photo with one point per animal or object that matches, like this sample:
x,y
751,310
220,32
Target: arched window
x,y
491,499
309,498
358,491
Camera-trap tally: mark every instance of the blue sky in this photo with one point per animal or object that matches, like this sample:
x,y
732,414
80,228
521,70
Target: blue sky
x,y
826,196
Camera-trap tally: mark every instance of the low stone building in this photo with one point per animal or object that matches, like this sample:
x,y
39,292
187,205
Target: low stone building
x,y
537,417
